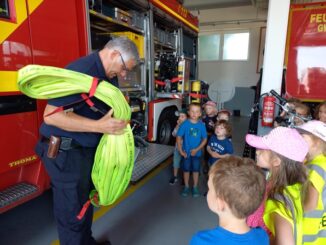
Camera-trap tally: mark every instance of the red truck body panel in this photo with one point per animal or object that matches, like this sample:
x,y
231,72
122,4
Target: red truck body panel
x,y
44,32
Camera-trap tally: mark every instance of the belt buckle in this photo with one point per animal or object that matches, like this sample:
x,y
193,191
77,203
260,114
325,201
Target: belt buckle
x,y
65,143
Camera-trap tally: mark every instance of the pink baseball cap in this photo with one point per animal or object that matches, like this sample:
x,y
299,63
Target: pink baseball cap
x,y
284,141
210,103
317,128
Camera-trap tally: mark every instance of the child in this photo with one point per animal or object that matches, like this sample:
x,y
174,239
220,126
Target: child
x,y
281,120
176,156
236,188
209,119
210,116
191,139
314,222
303,110
219,145
320,113
223,115
282,152
291,105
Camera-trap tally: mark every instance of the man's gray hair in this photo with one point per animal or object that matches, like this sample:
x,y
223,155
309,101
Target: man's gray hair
x,y
125,46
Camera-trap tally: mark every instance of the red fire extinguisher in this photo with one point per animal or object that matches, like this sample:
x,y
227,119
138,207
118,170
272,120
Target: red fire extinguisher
x,y
268,111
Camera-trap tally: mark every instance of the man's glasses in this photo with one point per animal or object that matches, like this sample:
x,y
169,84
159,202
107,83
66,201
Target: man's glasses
x,y
123,63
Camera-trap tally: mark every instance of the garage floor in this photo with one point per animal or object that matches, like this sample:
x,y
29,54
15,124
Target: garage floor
x,y
151,212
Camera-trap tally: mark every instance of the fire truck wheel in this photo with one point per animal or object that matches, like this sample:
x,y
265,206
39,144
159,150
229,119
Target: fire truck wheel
x,y
166,124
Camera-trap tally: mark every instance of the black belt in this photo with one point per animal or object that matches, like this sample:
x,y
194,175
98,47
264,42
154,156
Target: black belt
x,y
66,143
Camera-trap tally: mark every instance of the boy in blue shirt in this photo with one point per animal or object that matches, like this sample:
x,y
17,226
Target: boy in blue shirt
x,y
191,139
220,145
235,190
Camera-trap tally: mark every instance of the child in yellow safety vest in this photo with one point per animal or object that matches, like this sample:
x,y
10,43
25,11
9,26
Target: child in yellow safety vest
x,y
314,221
282,152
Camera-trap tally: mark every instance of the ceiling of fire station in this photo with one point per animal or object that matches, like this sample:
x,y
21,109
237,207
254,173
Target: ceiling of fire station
x,y
210,4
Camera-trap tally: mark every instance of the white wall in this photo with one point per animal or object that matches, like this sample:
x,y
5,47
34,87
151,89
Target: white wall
x,y
241,73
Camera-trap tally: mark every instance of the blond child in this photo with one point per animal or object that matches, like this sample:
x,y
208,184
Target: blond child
x,y
182,116
291,105
302,110
320,113
281,120
282,152
236,188
191,139
314,222
209,117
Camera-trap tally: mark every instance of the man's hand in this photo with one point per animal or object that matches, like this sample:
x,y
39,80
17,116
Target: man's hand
x,y
111,125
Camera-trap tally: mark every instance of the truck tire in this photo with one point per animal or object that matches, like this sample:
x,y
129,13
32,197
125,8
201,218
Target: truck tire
x,y
166,124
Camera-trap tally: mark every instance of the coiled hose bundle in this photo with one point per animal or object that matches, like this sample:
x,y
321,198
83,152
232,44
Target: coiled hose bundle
x,y
114,158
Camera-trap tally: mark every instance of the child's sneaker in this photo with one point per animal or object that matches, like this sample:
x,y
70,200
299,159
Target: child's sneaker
x,y
173,180
195,192
185,192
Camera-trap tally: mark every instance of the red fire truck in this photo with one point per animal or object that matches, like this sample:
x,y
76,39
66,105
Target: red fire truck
x,y
56,32
306,50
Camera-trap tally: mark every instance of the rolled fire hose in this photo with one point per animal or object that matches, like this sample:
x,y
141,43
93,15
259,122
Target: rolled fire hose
x,y
114,158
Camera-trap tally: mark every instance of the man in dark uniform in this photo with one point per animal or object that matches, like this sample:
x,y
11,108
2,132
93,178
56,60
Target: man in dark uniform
x,y
80,130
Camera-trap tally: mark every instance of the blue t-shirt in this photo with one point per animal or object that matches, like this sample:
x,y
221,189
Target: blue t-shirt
x,y
90,65
256,236
193,134
220,146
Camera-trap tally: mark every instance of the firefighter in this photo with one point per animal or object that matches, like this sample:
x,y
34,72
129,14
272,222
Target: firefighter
x,y
70,138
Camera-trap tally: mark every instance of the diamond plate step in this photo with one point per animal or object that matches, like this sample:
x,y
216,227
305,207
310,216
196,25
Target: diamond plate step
x,y
16,192
148,158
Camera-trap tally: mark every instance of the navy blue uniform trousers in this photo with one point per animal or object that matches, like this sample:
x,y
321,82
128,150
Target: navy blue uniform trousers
x,y
70,174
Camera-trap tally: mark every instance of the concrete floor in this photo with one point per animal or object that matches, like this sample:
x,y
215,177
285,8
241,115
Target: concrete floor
x,y
152,212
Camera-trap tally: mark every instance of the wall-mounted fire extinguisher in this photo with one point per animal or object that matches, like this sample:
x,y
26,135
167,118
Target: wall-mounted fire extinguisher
x,y
268,111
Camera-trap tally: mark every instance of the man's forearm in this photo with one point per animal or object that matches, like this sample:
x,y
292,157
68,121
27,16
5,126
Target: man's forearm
x,y
71,122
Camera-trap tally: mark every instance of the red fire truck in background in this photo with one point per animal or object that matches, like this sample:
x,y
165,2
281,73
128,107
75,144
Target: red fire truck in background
x,y
306,52
56,32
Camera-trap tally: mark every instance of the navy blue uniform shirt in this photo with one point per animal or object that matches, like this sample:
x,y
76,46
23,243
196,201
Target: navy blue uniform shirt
x,y
90,65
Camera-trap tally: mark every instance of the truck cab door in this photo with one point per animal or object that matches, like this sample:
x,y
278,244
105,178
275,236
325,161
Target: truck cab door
x,y
19,165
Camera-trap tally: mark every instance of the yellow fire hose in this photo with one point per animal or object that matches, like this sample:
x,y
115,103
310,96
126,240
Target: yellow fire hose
x,y
114,158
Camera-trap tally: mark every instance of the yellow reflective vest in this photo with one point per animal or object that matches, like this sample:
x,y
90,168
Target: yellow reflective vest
x,y
314,222
292,211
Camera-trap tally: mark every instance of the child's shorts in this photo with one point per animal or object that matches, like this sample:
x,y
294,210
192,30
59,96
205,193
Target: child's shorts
x,y
176,159
191,164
